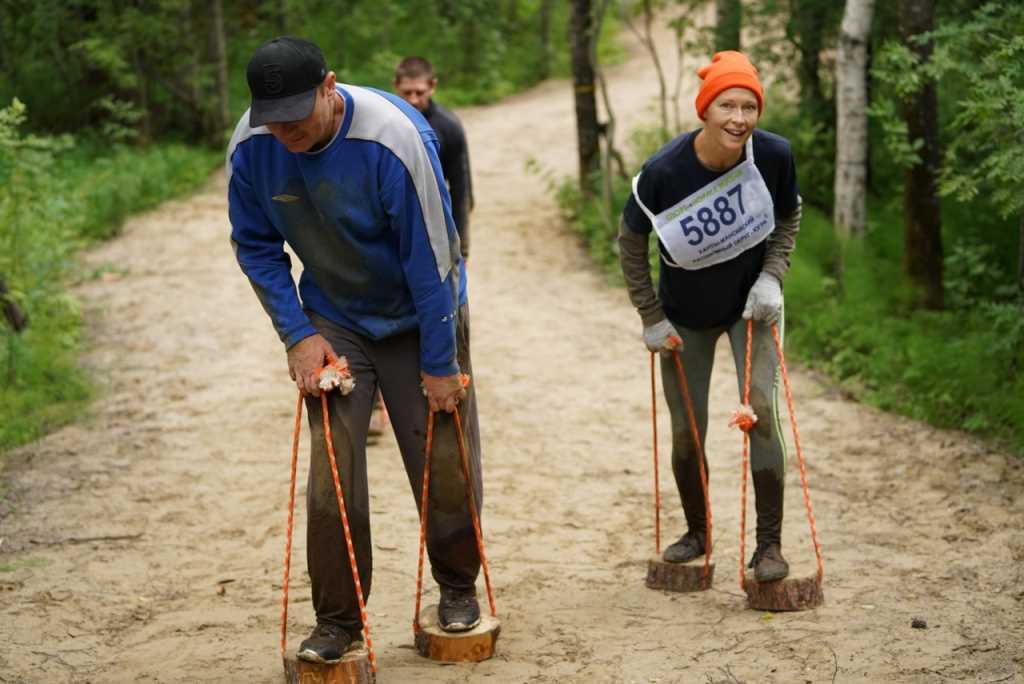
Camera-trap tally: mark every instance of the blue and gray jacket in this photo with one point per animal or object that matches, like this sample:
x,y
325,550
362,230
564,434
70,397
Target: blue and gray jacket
x,y
368,215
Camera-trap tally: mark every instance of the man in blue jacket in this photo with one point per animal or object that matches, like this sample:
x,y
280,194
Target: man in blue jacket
x,y
350,178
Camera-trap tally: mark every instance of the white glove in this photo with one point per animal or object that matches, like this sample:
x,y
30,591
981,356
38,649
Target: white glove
x,y
662,336
764,302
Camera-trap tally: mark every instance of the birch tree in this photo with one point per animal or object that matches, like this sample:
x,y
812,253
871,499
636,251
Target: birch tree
x,y
851,118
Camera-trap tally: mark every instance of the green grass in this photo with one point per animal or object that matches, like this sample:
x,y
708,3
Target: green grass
x,y
89,191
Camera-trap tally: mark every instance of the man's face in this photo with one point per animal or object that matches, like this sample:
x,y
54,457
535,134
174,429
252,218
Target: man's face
x,y
416,91
304,134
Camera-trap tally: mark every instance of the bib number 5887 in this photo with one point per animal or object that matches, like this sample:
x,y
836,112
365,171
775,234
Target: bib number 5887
x,y
707,223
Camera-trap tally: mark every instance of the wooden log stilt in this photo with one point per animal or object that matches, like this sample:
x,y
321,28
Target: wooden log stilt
x,y
452,647
679,576
796,593
354,668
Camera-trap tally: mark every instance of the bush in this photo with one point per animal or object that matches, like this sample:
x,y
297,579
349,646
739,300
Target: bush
x,y
54,198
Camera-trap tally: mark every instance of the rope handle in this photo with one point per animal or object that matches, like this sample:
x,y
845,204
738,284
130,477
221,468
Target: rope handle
x,y
654,442
344,522
799,454
291,524
739,422
471,498
685,389
424,501
745,425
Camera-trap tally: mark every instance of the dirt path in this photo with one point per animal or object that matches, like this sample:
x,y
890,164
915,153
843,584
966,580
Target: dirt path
x,y
118,531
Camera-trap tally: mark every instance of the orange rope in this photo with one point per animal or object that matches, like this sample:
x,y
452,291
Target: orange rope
x,y
424,503
700,462
745,426
473,510
657,488
424,507
348,532
291,521
799,454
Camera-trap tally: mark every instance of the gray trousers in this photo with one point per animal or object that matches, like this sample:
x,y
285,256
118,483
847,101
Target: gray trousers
x,y
767,450
393,365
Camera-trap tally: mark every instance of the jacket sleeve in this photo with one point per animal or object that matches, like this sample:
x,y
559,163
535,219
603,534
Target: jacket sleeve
x,y
781,243
634,244
421,238
259,249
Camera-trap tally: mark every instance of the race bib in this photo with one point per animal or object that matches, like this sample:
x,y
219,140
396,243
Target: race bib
x,y
718,222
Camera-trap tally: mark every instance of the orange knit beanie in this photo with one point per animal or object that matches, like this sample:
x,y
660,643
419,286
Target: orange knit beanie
x,y
728,69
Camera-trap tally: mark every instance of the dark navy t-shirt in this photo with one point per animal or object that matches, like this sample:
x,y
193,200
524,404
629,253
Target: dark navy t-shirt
x,y
713,296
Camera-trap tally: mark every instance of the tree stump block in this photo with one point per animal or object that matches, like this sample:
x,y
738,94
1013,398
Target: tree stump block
x,y
679,576
800,593
454,647
354,668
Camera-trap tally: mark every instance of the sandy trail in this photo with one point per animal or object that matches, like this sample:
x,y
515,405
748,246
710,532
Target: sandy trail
x,y
117,532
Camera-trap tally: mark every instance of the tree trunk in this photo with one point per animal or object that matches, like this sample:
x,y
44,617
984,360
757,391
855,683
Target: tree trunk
x,y
807,27
142,91
15,317
646,38
728,20
222,120
852,120
922,222
1020,257
581,33
545,39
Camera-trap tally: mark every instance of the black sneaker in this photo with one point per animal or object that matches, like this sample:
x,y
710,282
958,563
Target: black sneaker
x,y
327,644
458,610
768,563
688,547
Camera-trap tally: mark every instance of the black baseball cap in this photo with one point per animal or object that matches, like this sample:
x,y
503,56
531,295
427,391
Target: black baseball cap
x,y
283,75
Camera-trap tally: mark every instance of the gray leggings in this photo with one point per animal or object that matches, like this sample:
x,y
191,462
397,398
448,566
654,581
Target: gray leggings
x,y
767,450
393,365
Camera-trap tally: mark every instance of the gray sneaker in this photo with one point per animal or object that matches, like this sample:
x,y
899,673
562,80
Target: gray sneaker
x,y
768,563
685,549
327,644
458,610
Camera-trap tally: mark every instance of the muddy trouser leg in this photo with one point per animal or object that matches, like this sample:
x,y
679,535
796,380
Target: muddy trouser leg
x,y
334,595
698,357
767,450
451,542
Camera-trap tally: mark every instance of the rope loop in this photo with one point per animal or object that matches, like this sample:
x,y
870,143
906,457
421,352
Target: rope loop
x,y
470,497
336,375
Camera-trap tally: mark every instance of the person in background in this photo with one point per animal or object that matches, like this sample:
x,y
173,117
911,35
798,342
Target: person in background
x,y
416,83
724,203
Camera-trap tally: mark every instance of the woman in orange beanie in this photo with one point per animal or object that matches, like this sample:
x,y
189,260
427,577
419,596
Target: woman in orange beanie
x,y
724,203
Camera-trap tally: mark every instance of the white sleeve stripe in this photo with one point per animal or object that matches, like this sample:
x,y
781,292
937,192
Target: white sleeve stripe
x,y
241,134
377,120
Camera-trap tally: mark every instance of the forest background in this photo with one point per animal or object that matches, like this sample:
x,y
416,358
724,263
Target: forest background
x,y
108,107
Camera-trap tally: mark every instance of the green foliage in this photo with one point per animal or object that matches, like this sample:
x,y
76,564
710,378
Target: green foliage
x,y
55,197
95,63
152,66
962,368
814,147
981,60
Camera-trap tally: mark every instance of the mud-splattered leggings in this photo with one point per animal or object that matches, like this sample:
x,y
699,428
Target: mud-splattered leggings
x,y
393,365
767,450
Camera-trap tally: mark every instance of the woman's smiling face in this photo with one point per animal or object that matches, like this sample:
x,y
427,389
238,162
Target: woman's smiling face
x,y
731,117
